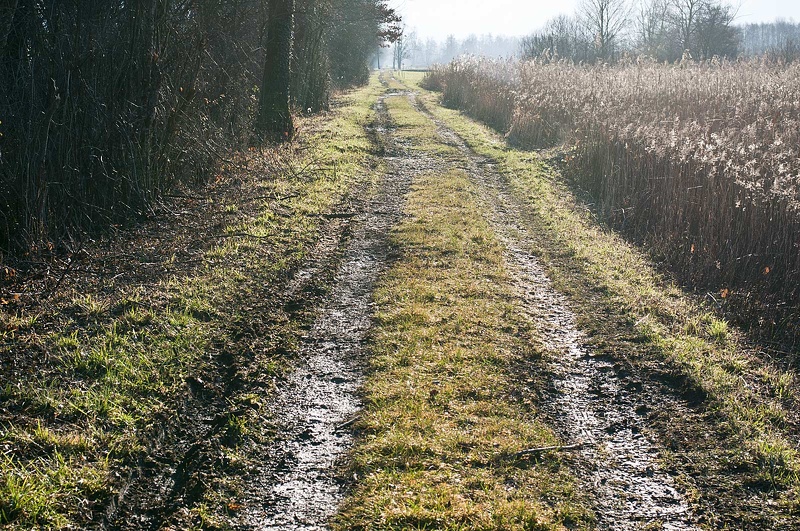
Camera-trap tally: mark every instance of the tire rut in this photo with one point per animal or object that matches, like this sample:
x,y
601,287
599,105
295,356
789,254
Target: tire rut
x,y
299,485
591,402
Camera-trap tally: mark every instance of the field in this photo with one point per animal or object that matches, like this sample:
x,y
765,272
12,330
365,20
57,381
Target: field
x,y
698,161
252,280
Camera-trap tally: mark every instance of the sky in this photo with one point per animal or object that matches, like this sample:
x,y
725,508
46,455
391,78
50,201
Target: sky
x,y
439,18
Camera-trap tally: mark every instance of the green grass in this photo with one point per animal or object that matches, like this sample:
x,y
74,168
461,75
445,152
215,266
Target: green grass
x,y
442,420
44,492
604,274
413,129
115,362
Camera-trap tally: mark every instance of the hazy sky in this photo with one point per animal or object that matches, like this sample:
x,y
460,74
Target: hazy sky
x,y
439,18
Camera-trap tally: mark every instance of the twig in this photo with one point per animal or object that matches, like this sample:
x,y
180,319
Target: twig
x,y
348,423
275,197
536,451
244,235
182,196
714,300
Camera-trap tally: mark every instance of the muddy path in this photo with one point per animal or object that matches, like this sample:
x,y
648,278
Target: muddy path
x,y
298,484
594,402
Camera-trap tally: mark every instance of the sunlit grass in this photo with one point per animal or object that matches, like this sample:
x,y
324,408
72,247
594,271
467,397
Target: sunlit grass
x,y
442,423
584,259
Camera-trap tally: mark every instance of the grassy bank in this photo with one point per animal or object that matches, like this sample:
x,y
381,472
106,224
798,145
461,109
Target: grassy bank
x,y
170,356
631,311
444,415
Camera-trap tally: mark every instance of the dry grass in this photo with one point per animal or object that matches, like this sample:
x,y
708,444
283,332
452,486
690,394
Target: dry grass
x,y
698,161
606,276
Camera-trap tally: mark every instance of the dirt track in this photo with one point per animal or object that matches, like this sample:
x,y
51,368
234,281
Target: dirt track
x,y
602,407
594,405
592,402
299,484
611,413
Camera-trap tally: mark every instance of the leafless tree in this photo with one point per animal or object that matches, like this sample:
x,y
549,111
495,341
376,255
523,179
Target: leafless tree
x,y
563,37
716,35
653,29
403,48
606,20
704,27
768,38
450,50
685,16
431,51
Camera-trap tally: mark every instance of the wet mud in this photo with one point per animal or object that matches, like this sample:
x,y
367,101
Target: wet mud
x,y
591,401
594,406
298,485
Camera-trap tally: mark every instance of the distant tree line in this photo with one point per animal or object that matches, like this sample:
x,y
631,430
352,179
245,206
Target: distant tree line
x,y
780,40
104,105
412,52
608,30
664,30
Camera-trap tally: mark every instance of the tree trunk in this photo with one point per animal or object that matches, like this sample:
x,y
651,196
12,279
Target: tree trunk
x,y
274,120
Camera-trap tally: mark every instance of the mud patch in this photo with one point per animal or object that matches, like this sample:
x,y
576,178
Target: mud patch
x,y
593,404
298,484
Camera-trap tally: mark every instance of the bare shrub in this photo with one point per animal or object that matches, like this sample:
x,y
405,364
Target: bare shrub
x,y
104,105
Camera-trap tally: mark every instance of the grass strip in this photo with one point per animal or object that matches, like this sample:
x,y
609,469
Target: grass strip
x,y
444,417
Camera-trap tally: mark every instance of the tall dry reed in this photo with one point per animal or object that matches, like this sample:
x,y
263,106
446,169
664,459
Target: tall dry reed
x,y
699,161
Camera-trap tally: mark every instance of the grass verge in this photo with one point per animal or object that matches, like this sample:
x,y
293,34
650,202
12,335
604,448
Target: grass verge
x,y
109,372
626,305
444,419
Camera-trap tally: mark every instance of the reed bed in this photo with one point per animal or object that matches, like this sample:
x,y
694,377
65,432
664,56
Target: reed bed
x,y
698,161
